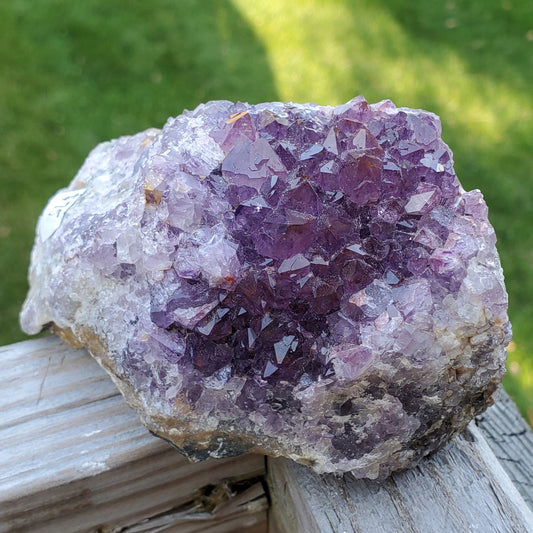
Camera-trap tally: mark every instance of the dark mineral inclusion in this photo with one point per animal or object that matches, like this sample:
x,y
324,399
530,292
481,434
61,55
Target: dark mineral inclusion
x,y
288,279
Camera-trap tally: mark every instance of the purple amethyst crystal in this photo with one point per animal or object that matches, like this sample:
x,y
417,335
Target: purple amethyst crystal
x,y
288,279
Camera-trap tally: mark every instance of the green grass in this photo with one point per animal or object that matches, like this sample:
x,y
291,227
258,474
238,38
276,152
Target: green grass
x,y
75,73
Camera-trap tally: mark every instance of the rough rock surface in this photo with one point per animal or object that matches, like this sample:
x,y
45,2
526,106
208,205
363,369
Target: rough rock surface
x,y
290,279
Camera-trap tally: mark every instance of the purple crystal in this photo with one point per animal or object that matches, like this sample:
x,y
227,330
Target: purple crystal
x,y
291,279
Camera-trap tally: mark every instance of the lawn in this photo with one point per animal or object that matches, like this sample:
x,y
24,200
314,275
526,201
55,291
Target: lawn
x,y
73,74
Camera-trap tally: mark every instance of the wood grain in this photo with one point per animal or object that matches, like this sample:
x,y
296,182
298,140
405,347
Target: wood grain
x,y
74,456
462,488
511,440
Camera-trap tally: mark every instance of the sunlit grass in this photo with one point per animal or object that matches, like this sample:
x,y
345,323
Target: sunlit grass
x,y
328,52
519,379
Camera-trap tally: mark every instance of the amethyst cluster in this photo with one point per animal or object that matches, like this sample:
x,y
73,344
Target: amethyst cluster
x,y
288,279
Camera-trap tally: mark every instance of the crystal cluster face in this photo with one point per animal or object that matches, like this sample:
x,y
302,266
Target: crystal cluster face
x,y
289,279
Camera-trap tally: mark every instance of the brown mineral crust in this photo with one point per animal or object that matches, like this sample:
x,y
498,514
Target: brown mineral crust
x,y
86,338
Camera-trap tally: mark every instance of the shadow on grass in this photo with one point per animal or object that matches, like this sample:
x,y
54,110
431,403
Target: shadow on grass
x,y
78,73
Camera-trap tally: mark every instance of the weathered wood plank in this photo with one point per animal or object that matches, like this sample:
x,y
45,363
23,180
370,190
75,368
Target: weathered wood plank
x,y
511,440
461,488
74,456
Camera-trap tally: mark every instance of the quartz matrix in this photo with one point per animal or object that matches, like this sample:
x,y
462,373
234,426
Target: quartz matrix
x,y
297,280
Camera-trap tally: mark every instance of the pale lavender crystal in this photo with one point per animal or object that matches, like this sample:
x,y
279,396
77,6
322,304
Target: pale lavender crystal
x,y
289,279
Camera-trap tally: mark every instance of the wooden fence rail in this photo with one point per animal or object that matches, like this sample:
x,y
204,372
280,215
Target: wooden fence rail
x,y
75,458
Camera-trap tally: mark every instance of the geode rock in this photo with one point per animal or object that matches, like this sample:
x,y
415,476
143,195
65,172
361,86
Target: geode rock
x,y
294,280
